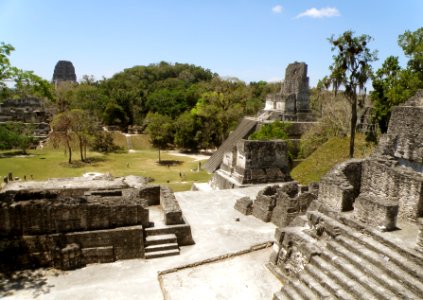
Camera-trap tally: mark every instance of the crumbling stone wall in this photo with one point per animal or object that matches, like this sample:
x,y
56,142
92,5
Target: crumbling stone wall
x,y
341,185
394,185
66,214
252,162
404,139
278,204
52,228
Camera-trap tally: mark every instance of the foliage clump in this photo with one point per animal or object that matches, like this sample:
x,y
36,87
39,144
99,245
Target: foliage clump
x,y
273,131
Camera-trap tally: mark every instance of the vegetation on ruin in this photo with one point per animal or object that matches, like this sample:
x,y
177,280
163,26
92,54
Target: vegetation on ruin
x,y
273,131
332,152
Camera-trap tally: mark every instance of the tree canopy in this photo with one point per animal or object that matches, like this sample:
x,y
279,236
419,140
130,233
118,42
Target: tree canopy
x,y
350,70
392,84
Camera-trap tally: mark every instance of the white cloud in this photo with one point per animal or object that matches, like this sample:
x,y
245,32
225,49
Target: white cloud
x,y
326,12
277,9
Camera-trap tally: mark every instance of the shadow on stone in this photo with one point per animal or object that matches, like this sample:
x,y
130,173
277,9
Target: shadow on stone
x,y
35,280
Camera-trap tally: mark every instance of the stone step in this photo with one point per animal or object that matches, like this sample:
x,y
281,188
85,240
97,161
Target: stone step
x,y
386,263
356,274
371,270
160,239
292,293
352,287
413,256
321,273
400,256
314,286
302,289
163,253
161,247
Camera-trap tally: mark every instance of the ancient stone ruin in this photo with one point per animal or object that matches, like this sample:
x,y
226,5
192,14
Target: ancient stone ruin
x,y
31,111
279,204
252,162
362,237
68,223
291,104
64,71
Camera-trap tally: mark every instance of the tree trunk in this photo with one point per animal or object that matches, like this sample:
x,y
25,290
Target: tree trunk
x,y
70,152
159,156
353,124
81,151
85,151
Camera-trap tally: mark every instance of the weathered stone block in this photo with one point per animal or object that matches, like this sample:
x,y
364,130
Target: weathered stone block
x,y
244,205
171,209
376,212
262,214
339,187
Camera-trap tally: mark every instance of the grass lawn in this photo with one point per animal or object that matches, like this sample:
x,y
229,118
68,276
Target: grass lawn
x,y
52,163
327,156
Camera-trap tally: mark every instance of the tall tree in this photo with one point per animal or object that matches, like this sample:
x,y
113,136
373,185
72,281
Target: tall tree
x,y
160,128
350,70
62,132
83,126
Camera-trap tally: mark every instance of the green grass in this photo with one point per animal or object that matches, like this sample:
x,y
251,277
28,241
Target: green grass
x,y
52,163
327,156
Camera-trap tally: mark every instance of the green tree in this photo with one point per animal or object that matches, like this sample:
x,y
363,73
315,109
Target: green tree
x,y
83,127
187,129
160,128
62,132
103,142
412,45
393,85
15,82
350,71
16,135
273,131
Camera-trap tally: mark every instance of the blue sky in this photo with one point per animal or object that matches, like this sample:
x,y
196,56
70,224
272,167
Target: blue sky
x,y
251,40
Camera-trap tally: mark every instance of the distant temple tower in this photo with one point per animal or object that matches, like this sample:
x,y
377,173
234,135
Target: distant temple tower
x,y
292,102
64,71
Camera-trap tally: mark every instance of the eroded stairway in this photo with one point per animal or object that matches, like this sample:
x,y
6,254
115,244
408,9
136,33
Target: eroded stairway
x,y
326,257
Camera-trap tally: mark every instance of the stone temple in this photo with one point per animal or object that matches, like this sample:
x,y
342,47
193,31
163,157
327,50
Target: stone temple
x,y
362,235
233,163
64,71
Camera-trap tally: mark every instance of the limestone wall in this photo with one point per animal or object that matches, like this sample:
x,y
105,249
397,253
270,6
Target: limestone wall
x,y
394,184
341,185
71,250
44,216
262,161
405,134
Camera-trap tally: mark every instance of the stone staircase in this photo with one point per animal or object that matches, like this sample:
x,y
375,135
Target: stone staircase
x,y
244,128
160,244
353,262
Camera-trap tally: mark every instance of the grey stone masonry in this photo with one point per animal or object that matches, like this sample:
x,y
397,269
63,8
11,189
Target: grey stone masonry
x,y
171,209
64,71
295,86
244,205
341,185
363,236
